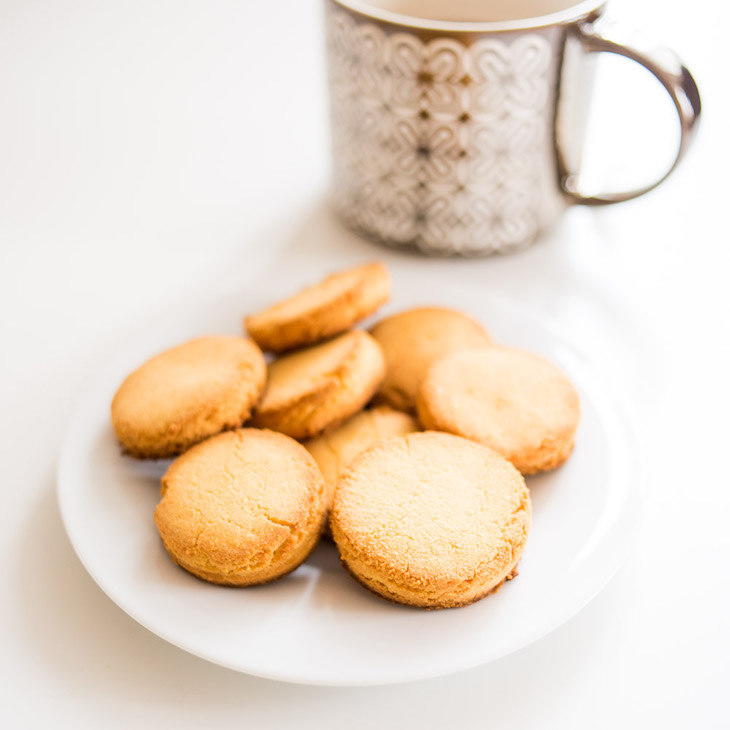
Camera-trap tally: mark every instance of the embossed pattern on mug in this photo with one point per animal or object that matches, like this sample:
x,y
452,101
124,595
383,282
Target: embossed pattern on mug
x,y
439,143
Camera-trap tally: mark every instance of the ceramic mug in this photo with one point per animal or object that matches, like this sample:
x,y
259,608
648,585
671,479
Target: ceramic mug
x,y
457,125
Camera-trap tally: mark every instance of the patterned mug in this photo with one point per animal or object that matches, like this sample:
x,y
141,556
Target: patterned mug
x,y
456,131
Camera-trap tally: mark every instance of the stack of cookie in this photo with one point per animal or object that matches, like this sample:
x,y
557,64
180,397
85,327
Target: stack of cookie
x,y
435,518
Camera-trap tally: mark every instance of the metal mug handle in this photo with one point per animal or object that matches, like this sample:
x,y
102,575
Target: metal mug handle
x,y
674,77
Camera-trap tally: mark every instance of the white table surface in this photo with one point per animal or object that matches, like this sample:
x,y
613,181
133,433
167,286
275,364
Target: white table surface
x,y
148,150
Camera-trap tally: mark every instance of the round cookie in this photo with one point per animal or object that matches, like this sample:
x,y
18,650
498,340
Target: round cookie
x,y
413,340
186,394
513,401
335,450
430,519
320,311
241,508
319,387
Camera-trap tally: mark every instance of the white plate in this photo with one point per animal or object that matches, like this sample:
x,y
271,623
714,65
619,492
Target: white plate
x,y
317,626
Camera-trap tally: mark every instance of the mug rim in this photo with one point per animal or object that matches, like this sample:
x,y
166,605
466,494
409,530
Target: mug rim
x,y
568,15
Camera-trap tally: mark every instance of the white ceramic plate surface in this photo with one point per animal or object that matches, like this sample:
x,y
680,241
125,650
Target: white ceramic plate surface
x,y
317,625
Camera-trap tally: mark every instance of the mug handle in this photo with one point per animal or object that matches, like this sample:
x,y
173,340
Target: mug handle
x,y
673,76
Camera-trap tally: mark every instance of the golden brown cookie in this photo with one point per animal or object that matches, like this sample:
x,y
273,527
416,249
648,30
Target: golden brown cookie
x,y
517,403
335,450
414,339
241,508
186,394
320,311
319,387
430,519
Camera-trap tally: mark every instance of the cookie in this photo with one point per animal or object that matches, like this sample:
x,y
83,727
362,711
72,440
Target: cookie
x,y
320,311
319,387
431,519
335,450
517,403
187,394
414,339
241,508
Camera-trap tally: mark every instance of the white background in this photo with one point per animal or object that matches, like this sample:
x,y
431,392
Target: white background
x,y
146,149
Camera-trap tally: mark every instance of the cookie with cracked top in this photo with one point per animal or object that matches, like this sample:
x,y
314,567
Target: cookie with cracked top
x,y
242,508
